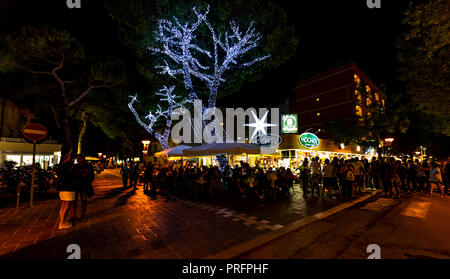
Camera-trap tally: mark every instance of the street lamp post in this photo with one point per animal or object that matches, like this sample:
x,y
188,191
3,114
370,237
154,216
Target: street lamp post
x,y
146,143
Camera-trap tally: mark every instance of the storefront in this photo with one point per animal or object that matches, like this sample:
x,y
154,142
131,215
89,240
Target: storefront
x,y
18,150
295,148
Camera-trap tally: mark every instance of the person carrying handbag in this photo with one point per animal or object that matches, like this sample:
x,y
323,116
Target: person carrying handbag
x,y
348,173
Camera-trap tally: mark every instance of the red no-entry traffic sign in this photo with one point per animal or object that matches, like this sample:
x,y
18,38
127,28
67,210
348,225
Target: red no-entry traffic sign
x,y
34,132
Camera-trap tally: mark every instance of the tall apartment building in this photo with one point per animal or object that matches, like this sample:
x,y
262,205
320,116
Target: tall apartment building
x,y
342,92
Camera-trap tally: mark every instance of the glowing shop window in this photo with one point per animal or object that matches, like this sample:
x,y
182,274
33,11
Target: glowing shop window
x,y
15,158
357,79
28,160
358,111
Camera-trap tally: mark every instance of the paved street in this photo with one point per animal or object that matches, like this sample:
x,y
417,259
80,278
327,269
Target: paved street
x,y
123,223
414,227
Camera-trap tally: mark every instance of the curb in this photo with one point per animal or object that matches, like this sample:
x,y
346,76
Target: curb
x,y
259,241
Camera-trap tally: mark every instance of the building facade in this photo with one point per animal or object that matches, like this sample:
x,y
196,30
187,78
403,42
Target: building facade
x,y
13,147
342,92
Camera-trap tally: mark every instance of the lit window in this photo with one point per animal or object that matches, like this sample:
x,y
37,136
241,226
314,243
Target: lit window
x,y
382,102
367,88
369,114
318,99
368,101
318,114
357,79
319,130
377,97
358,95
358,111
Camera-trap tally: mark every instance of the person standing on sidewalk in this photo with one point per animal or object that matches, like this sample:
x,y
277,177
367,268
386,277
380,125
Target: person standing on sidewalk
x,y
328,170
125,171
304,176
411,180
394,177
447,175
83,176
358,166
148,175
426,168
348,173
421,177
316,175
134,175
375,173
66,190
436,179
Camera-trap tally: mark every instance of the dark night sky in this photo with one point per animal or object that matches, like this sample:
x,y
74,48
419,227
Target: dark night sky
x,y
331,32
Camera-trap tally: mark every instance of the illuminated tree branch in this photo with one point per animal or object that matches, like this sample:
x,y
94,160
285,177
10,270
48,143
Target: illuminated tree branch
x,y
160,114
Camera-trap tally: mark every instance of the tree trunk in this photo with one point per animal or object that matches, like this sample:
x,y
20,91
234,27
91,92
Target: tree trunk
x,y
67,145
82,132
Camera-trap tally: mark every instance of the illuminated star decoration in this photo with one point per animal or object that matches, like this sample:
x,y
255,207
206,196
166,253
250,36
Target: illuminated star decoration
x,y
259,124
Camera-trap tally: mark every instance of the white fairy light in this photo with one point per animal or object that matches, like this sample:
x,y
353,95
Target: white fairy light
x,y
185,58
153,117
178,42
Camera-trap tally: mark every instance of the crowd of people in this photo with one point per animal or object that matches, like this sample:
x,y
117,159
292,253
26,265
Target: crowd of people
x,y
393,176
196,183
335,178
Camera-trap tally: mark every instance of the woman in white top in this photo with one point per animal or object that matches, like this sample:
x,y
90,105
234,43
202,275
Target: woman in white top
x,y
436,179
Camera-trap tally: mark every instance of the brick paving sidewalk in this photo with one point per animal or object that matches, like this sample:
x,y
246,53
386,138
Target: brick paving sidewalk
x,y
123,223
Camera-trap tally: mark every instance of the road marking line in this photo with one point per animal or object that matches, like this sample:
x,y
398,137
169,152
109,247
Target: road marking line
x,y
417,210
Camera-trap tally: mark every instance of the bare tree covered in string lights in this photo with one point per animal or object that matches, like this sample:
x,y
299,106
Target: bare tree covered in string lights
x,y
185,58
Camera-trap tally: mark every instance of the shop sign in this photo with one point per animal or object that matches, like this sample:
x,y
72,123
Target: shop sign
x,y
289,123
309,140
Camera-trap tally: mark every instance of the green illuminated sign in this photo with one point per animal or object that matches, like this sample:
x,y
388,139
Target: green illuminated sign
x,y
309,140
289,123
